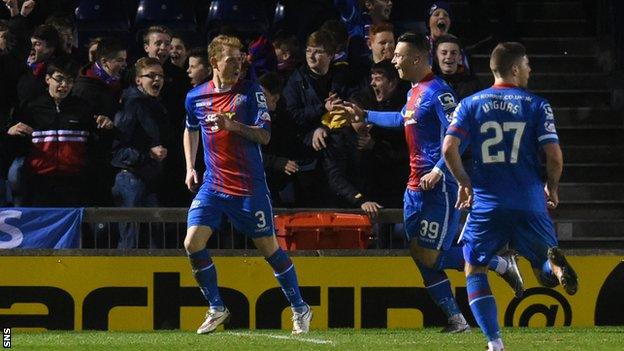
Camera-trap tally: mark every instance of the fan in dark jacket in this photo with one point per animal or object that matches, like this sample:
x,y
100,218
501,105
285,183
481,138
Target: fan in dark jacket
x,y
142,143
99,84
45,48
447,65
310,93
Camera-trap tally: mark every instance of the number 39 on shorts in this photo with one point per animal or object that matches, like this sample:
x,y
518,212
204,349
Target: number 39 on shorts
x,y
429,229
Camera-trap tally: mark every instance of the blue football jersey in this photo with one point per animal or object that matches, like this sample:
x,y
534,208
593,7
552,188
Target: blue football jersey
x,y
506,127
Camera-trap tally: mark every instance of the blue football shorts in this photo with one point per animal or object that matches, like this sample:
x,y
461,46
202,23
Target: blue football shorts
x,y
251,215
430,216
531,233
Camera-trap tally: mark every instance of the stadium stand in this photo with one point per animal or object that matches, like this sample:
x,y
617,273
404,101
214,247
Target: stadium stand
x,y
572,45
565,58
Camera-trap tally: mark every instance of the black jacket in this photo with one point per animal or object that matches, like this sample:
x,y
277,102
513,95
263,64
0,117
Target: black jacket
x,y
61,138
141,124
97,93
344,164
463,84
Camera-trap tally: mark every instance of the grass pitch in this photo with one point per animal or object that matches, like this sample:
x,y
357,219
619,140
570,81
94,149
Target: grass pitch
x,y
594,339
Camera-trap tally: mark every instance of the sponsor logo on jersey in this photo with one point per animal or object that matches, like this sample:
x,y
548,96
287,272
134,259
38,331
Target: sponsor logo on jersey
x,y
203,103
410,120
211,120
549,112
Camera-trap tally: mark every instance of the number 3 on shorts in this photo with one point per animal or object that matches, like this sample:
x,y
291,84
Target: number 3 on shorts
x,y
261,219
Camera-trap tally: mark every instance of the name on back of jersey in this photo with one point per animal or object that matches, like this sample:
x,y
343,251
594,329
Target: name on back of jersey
x,y
506,106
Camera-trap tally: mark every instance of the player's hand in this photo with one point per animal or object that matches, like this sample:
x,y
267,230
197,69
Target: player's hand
x,y
223,122
192,180
27,8
291,167
318,138
371,208
464,197
353,111
552,198
365,142
429,180
20,129
332,102
103,122
364,139
158,153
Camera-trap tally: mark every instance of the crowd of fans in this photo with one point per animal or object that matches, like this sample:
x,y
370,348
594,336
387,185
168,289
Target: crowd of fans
x,y
101,125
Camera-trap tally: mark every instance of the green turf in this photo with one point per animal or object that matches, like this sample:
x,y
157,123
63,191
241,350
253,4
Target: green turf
x,y
594,339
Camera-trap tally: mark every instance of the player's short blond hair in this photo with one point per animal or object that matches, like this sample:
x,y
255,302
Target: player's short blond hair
x,y
215,48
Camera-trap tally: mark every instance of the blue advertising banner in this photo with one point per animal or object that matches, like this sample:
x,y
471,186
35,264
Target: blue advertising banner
x,y
40,228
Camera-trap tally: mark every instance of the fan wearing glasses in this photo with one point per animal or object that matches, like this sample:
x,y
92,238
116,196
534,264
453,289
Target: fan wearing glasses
x,y
60,128
143,141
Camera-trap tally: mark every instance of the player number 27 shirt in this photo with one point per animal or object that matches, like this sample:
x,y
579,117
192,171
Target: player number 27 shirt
x,y
506,127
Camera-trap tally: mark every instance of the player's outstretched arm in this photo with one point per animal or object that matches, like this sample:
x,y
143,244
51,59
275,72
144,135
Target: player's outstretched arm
x,y
554,168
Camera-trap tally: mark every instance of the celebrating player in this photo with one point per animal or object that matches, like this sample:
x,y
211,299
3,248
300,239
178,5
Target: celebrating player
x,y
507,128
233,118
430,219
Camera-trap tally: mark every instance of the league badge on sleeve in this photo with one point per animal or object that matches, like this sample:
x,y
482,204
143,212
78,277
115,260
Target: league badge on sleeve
x,y
261,99
265,117
550,126
448,104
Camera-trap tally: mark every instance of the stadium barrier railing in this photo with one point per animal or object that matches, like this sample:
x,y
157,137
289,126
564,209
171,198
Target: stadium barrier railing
x,y
166,227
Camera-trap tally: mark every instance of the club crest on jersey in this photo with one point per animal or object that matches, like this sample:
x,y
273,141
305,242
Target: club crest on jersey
x,y
238,100
261,99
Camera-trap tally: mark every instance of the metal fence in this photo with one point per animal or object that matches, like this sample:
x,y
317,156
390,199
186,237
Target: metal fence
x,y
165,228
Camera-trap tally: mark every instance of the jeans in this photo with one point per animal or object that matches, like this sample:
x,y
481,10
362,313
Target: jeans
x,y
15,180
131,191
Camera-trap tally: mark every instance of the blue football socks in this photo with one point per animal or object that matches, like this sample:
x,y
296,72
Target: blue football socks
x,y
206,275
287,277
483,305
439,288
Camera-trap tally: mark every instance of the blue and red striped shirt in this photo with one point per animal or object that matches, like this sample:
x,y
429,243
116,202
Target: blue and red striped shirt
x,y
425,117
233,163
